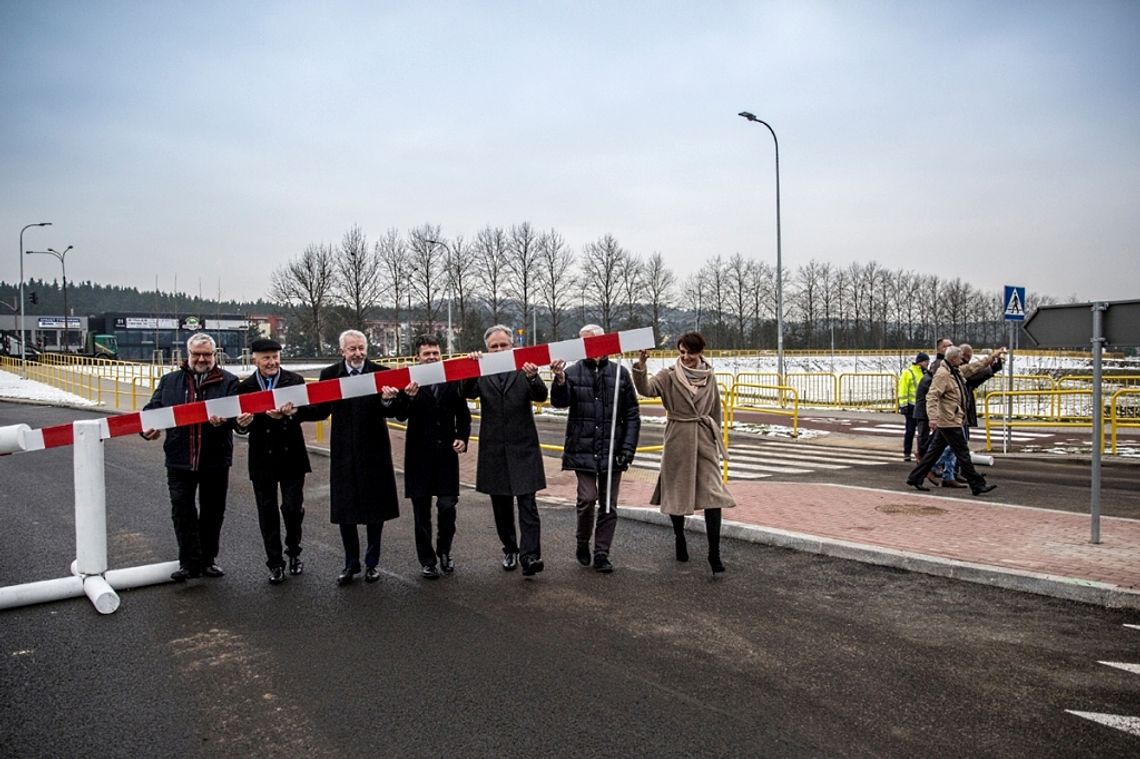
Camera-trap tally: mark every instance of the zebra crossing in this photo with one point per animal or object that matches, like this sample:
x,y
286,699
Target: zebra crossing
x,y
758,459
1016,436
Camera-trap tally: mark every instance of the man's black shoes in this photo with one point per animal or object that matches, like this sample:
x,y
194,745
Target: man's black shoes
x,y
918,486
346,575
446,564
182,574
510,561
430,572
277,575
583,554
531,565
213,570
602,564
983,489
372,574
296,566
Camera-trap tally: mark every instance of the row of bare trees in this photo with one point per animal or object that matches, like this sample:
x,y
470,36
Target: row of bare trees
x,y
533,280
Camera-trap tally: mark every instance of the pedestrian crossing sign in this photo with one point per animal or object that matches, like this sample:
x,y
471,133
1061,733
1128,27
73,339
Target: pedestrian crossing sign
x,y
1014,303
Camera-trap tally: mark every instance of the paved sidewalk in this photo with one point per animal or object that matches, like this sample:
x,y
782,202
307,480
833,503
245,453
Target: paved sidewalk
x,y
981,540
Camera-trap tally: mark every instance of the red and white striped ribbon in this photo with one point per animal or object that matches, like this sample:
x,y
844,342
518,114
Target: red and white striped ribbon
x,y
451,370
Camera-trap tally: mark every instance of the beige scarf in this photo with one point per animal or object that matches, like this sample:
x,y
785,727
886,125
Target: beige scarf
x,y
694,379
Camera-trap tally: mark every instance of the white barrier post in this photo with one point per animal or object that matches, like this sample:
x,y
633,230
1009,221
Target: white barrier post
x,y
12,438
91,516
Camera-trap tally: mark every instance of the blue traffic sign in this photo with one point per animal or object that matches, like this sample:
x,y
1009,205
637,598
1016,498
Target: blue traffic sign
x,y
1013,304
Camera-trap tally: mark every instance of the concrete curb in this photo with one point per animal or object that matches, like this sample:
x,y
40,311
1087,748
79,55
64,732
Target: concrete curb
x,y
1068,588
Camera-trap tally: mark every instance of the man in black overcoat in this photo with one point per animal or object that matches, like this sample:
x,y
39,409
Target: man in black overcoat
x,y
510,460
362,482
439,426
278,459
587,389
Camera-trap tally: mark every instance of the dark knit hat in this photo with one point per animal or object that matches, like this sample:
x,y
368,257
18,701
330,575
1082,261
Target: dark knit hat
x,y
920,358
264,345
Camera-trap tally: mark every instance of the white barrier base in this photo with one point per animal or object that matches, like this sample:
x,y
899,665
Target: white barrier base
x,y
981,459
40,592
99,588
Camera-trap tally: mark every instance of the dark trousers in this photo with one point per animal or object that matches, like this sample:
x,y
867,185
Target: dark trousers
x,y
908,433
923,429
198,527
421,510
712,530
350,537
292,510
529,524
590,485
954,439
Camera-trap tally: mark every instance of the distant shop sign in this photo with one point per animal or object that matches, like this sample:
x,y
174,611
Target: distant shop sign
x,y
228,324
137,322
191,323
56,322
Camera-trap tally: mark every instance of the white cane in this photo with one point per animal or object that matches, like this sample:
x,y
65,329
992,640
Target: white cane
x,y
613,434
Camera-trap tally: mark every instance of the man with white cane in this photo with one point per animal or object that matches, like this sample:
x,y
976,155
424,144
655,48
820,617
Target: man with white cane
x,y
601,437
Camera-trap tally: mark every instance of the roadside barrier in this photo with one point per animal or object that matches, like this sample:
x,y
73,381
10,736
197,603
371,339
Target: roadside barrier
x,y
1071,408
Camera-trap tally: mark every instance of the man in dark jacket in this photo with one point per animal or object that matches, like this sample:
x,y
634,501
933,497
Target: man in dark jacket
x,y
439,426
198,458
278,459
588,388
510,459
362,482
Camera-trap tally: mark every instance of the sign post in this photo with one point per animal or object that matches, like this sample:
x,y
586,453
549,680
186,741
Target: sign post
x,y
1013,306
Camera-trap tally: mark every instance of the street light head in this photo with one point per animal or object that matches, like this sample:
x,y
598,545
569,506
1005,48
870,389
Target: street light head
x,y
748,116
43,224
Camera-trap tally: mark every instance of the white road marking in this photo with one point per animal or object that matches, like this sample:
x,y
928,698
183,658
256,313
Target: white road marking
x,y
1117,721
1134,627
1126,666
739,462
1022,437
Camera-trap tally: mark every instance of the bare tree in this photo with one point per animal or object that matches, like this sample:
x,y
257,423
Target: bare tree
x,y
601,262
461,265
491,248
631,278
555,278
737,291
522,271
305,286
426,272
393,255
761,293
358,283
659,283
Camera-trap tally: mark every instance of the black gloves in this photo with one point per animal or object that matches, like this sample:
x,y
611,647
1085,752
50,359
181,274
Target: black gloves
x,y
623,459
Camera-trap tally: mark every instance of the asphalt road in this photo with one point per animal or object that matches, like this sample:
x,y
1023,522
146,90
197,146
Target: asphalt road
x,y
786,655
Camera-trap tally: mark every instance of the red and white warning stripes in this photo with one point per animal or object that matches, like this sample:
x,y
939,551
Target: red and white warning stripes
x,y
345,387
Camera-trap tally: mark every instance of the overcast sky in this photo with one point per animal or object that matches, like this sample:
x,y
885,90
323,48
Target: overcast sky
x,y
995,141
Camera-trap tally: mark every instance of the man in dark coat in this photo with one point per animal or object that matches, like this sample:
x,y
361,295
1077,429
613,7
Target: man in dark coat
x,y
198,458
510,459
587,388
278,459
439,426
975,375
362,482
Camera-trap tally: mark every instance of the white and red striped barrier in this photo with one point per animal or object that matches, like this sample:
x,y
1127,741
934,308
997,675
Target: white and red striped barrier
x,y
451,370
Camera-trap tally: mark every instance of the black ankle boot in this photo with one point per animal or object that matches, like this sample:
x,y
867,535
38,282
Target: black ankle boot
x,y
682,548
717,566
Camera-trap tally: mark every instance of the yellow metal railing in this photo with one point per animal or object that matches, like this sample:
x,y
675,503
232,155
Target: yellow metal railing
x,y
1127,420
1072,408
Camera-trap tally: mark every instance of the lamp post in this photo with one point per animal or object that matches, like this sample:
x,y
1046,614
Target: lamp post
x,y
63,263
23,354
450,292
779,260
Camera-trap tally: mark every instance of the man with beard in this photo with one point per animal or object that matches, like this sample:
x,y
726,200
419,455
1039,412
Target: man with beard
x,y
198,458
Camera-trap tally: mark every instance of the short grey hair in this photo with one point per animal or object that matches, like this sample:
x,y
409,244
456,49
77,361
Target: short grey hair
x,y
953,352
967,349
496,328
351,333
591,330
200,337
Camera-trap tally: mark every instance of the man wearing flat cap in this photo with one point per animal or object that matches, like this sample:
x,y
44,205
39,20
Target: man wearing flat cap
x,y
908,387
278,459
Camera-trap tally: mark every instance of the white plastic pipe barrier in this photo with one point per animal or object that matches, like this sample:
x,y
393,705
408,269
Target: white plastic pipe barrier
x,y
137,577
981,459
40,592
90,499
12,438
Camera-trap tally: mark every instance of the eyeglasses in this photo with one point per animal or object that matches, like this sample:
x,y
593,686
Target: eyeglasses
x,y
196,354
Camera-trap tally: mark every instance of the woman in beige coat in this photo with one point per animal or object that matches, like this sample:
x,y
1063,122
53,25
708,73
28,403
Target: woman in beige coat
x,y
690,462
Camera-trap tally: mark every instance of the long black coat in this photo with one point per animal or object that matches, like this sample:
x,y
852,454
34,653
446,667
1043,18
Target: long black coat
x,y
437,417
510,460
589,394
362,482
196,446
277,446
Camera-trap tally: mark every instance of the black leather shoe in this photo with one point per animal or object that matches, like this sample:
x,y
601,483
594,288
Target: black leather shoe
x,y
682,548
277,575
346,575
213,570
446,564
531,565
918,486
602,564
372,574
296,566
583,554
430,572
182,574
716,565
983,489
510,561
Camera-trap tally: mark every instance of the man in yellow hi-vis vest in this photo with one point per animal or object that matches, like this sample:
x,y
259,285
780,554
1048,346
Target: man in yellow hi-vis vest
x,y
908,384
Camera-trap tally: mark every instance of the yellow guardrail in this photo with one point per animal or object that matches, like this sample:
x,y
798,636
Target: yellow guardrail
x,y
1073,408
1130,420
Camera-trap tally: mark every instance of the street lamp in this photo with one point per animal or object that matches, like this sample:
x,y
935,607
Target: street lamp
x,y
779,260
63,263
23,354
450,291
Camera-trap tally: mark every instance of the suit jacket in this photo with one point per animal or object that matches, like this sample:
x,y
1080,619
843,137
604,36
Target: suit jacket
x,y
510,460
362,482
196,446
277,446
437,417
